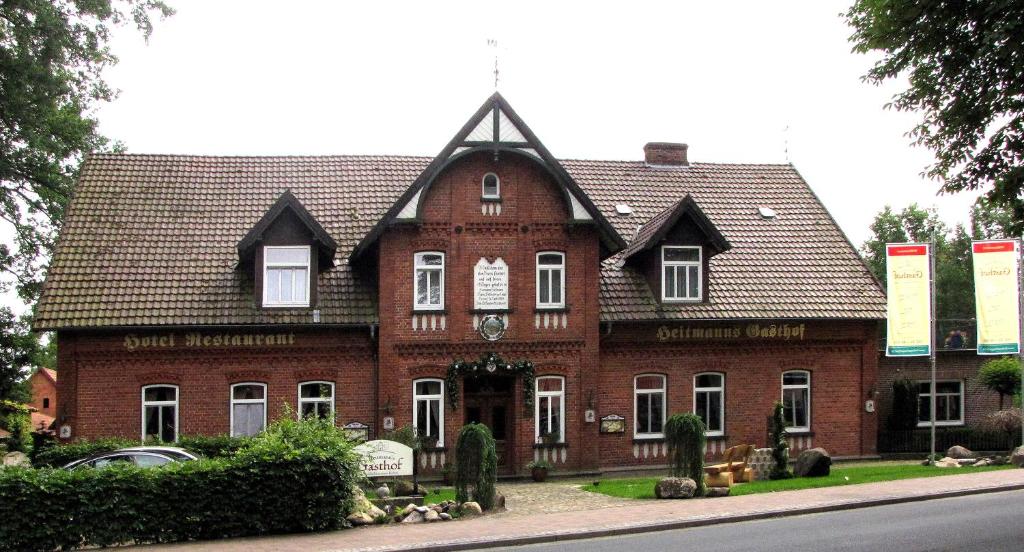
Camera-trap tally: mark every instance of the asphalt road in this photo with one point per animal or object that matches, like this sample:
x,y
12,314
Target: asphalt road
x,y
990,522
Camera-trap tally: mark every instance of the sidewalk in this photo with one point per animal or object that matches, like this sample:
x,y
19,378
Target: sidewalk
x,y
632,517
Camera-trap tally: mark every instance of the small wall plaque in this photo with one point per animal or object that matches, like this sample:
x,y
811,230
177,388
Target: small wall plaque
x,y
589,416
613,423
356,431
65,432
389,423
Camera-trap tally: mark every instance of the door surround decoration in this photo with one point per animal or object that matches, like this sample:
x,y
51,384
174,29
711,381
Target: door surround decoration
x,y
488,365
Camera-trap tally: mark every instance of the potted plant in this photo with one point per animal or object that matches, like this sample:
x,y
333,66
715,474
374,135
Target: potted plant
x,y
550,438
446,473
539,470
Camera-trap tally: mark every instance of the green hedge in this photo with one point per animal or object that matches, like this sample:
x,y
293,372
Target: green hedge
x,y
55,456
297,476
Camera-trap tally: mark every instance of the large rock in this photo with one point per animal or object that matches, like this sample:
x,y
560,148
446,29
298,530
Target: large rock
x,y
16,459
471,509
414,517
1017,457
375,512
958,452
675,487
947,462
432,515
814,462
716,492
360,518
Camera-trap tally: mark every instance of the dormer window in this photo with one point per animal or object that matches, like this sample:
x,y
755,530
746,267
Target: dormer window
x,y
681,273
286,276
491,186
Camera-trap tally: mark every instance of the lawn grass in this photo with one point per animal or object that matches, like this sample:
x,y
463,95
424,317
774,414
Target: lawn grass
x,y
643,487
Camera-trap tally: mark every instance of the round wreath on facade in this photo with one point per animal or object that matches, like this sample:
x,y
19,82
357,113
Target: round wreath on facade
x,y
490,364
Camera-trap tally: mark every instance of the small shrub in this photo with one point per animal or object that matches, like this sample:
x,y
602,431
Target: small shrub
x,y
57,456
20,427
541,463
215,446
1001,375
1007,421
476,466
684,434
779,445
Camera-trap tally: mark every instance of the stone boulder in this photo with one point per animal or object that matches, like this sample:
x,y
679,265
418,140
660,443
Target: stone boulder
x,y
947,462
360,518
471,509
406,488
432,515
675,487
814,462
17,459
958,452
414,517
1017,457
716,492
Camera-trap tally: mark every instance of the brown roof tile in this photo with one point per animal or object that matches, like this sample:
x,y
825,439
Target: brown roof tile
x,y
150,239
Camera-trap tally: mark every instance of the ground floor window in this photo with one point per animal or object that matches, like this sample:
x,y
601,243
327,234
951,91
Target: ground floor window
x,y
550,410
949,403
796,400
316,400
427,414
248,408
160,413
709,401
649,405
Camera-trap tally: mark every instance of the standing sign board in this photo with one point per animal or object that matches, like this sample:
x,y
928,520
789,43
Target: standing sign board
x,y
909,310
383,458
996,283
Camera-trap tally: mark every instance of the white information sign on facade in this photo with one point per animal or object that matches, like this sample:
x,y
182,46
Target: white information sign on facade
x,y
383,458
490,285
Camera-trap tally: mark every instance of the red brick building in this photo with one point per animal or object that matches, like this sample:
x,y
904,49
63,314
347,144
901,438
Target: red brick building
x,y
570,305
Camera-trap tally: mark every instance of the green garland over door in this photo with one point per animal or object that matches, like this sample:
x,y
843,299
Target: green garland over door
x,y
490,364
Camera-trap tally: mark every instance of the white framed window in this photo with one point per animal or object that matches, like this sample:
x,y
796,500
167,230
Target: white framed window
x,y
490,186
248,408
429,281
949,403
427,411
160,413
549,409
681,273
649,406
286,276
796,400
709,401
316,399
550,280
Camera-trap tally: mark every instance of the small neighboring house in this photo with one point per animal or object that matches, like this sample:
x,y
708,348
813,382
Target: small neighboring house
x,y
44,398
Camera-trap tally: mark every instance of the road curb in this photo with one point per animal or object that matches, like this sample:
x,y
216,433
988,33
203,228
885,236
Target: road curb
x,y
703,522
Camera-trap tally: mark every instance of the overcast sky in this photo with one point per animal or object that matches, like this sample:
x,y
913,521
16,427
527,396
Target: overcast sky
x,y
728,78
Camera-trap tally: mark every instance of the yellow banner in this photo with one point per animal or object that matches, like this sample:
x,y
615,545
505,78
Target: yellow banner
x,y
909,316
996,296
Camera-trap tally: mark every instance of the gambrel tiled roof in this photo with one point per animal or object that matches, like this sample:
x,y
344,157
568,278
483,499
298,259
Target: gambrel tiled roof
x,y
152,239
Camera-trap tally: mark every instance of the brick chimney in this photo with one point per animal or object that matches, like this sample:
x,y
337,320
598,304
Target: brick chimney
x,y
666,153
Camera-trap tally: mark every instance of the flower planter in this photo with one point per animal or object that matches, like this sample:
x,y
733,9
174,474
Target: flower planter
x,y
539,474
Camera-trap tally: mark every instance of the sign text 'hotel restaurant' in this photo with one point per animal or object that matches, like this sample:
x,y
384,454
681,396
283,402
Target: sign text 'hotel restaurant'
x,y
197,340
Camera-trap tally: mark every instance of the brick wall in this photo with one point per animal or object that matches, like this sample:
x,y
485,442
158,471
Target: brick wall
x,y
101,379
43,388
959,365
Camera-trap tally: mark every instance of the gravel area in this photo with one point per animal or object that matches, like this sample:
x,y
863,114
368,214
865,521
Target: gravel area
x,y
527,497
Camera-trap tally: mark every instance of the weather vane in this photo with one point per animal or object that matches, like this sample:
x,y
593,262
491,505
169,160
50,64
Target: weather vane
x,y
494,44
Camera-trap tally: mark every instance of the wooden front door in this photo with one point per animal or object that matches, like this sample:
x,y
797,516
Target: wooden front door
x,y
489,402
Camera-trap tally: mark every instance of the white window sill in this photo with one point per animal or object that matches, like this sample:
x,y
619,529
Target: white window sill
x,y
651,436
798,430
286,305
922,425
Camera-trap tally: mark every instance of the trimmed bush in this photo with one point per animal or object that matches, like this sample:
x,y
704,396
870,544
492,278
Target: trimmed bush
x,y
684,434
476,466
216,446
904,405
779,445
1001,375
297,476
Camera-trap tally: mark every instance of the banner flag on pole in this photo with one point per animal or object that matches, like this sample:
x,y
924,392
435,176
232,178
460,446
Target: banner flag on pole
x,y
996,296
909,306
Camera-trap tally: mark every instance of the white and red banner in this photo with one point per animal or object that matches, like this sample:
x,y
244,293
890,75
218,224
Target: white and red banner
x,y
996,296
909,304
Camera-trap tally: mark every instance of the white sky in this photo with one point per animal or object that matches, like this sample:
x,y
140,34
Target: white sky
x,y
234,77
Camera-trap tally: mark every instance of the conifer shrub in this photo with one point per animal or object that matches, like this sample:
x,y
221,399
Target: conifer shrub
x,y
904,406
779,446
476,466
684,434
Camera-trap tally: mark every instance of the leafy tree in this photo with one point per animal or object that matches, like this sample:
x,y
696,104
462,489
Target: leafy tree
x,y
1001,375
684,434
476,465
52,54
904,405
779,445
964,62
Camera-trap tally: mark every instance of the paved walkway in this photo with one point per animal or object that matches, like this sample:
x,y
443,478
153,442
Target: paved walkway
x,y
625,517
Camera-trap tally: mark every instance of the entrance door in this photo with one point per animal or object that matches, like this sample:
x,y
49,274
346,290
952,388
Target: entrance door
x,y
489,402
